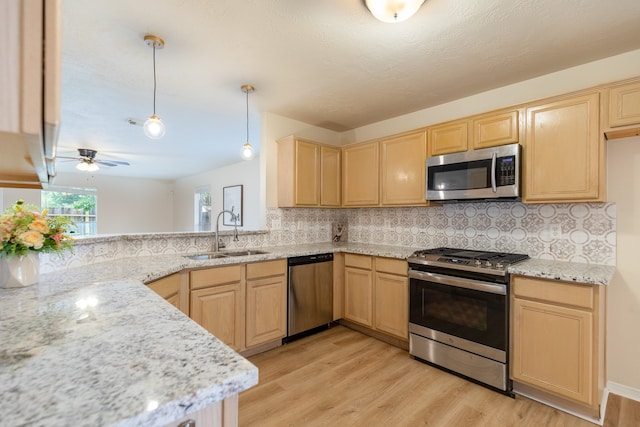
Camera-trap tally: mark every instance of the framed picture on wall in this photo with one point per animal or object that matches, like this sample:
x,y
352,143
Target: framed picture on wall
x,y
232,201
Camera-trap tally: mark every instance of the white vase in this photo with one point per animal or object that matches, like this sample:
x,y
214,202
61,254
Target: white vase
x,y
20,270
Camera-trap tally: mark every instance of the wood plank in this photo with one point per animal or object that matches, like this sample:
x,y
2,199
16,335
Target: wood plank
x,y
341,377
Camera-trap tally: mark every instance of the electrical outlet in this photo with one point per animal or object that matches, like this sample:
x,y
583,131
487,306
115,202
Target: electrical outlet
x,y
555,231
276,224
100,249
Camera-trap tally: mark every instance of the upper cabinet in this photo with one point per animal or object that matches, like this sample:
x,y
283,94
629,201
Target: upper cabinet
x,y
481,131
308,173
624,110
30,72
450,137
360,174
564,151
403,168
388,172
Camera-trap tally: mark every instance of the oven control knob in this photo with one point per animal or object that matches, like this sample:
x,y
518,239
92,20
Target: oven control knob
x,y
478,262
487,264
499,265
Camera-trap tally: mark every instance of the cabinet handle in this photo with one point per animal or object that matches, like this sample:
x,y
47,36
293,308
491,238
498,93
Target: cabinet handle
x,y
187,423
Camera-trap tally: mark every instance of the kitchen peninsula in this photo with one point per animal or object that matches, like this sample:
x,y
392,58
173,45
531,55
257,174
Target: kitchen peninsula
x,y
91,345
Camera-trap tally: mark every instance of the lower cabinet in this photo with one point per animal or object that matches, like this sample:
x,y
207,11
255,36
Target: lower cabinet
x,y
376,294
243,305
266,302
173,288
558,339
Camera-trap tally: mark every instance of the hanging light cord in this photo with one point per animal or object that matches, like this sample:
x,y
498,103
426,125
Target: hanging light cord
x,y
247,115
154,78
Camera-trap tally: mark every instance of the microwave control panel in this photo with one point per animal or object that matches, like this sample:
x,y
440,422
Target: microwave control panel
x,y
506,171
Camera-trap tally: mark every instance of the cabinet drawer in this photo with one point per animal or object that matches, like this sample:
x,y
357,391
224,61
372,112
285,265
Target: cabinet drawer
x,y
166,286
266,269
554,292
214,276
392,266
358,261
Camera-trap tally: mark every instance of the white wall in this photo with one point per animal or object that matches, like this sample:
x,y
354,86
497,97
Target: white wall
x,y
8,196
274,127
623,305
245,173
127,205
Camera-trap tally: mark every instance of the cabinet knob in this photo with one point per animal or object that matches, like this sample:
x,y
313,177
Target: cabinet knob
x,y
187,423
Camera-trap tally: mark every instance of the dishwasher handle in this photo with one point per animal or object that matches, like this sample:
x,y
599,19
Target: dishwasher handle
x,y
309,259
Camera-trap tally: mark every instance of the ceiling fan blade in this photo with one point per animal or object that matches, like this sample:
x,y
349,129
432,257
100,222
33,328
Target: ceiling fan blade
x,y
111,162
69,158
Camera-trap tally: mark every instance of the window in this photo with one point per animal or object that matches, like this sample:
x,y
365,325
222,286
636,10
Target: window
x,y
202,208
78,204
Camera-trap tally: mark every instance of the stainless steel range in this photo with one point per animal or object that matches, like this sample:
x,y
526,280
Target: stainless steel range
x,y
459,312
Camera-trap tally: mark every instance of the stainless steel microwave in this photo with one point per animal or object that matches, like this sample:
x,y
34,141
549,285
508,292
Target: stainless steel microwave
x,y
488,173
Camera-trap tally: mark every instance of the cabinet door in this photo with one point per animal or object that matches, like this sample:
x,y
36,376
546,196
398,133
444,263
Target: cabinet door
x,y
392,304
564,151
360,165
624,105
495,129
448,137
403,169
329,176
553,348
220,310
307,175
168,288
266,310
358,296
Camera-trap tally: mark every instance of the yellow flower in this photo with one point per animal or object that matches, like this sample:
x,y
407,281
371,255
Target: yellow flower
x,y
39,225
31,238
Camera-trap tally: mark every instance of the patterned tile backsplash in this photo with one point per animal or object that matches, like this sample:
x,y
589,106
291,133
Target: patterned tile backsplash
x,y
583,233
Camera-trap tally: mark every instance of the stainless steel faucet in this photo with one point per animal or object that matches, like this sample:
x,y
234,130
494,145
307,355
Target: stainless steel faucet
x,y
234,218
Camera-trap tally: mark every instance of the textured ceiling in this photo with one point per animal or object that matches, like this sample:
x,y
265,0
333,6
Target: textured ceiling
x,y
328,63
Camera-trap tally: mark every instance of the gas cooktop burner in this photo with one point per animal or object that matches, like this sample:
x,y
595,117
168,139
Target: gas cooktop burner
x,y
467,259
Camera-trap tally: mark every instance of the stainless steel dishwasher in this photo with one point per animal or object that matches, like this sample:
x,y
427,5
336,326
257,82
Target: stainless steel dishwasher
x,y
310,297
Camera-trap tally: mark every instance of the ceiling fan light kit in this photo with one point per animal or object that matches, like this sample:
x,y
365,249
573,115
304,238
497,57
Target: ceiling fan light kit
x,y
247,149
392,11
153,127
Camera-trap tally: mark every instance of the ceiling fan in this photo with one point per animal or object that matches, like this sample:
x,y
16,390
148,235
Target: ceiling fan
x,y
87,160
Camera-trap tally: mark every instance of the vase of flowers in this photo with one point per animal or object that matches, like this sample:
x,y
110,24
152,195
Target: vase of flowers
x,y
25,232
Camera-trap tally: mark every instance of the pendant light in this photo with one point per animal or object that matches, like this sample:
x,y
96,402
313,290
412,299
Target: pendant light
x,y
153,127
392,11
247,149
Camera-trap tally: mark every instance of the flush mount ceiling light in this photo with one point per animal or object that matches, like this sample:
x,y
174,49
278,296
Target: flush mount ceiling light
x,y
153,127
247,149
392,11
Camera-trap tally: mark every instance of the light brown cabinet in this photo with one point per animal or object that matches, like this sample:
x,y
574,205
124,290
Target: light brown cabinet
x,y
481,131
376,294
360,175
623,119
243,305
557,339
403,169
564,151
449,137
308,173
30,82
218,303
266,306
173,288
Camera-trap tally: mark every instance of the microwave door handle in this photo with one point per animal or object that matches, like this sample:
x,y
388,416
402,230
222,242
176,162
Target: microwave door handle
x,y
493,173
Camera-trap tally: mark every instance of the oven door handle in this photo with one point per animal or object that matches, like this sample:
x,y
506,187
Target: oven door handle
x,y
474,285
493,173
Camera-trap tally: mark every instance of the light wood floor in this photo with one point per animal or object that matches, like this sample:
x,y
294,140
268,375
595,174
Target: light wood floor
x,y
344,378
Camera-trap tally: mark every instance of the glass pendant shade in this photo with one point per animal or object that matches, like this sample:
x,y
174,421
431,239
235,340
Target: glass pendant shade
x,y
154,128
393,11
86,166
247,151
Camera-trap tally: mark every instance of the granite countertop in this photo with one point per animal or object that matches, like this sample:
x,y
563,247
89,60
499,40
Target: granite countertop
x,y
132,358
128,358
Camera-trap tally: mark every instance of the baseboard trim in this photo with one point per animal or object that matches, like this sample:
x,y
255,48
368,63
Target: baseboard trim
x,y
623,391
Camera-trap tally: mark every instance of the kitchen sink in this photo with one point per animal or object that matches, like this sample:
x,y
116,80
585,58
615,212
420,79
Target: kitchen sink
x,y
214,255
210,255
244,253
